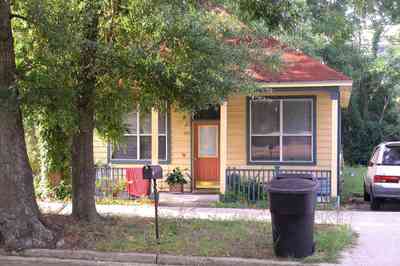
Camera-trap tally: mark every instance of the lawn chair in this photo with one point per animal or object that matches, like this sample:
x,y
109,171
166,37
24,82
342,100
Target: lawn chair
x,y
136,185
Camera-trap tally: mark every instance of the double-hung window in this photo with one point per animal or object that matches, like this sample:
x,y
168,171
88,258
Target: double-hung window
x,y
136,143
281,130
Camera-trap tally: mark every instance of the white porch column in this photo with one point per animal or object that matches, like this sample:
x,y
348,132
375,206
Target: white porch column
x,y
223,144
154,137
334,133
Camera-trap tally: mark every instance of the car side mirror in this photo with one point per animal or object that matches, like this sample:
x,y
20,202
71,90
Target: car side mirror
x,y
370,164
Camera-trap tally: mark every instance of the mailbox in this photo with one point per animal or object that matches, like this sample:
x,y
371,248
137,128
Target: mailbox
x,y
152,172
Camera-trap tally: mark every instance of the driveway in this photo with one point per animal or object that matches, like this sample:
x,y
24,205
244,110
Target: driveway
x,y
379,236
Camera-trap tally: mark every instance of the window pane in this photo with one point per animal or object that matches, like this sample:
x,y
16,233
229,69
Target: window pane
x,y
265,149
145,147
145,123
208,143
297,149
162,120
391,156
265,117
126,150
162,148
131,122
297,117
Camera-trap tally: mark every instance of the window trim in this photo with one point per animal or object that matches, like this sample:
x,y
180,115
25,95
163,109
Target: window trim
x,y
313,160
167,134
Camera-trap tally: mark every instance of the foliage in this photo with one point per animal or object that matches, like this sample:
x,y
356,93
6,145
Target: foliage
x,y
116,201
272,16
43,190
348,36
353,182
63,191
235,201
176,177
330,242
245,191
119,187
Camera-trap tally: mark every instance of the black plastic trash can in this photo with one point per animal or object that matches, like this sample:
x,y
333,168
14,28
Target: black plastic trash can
x,y
292,201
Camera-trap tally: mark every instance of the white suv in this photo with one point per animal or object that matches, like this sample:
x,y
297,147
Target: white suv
x,y
383,177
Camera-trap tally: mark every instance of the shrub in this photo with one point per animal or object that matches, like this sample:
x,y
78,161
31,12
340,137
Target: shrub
x,y
249,190
176,177
63,191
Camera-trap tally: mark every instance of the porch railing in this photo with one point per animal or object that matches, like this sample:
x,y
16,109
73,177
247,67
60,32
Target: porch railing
x,y
249,184
111,182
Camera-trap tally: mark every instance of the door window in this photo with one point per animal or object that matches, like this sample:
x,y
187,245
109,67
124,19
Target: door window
x,y
208,141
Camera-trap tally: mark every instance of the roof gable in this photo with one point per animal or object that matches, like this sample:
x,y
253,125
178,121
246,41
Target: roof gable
x,y
296,67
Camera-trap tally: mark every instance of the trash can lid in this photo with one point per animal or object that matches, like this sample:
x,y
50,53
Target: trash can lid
x,y
292,185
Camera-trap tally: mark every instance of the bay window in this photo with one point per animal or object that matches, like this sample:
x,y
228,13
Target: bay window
x,y
281,130
136,143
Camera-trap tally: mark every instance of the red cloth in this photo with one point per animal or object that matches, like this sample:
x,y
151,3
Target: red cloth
x,y
136,185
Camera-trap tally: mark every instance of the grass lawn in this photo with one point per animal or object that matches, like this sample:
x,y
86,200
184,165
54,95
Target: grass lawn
x,y
116,201
261,204
353,182
193,237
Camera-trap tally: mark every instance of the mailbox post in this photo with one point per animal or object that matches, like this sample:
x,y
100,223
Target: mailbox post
x,y
152,173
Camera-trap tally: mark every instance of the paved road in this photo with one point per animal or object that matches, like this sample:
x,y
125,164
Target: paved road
x,y
379,232
21,261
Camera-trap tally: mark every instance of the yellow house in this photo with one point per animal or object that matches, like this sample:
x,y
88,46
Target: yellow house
x,y
292,121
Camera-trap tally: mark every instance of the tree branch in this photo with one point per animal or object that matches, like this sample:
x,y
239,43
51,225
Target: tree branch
x,y
19,16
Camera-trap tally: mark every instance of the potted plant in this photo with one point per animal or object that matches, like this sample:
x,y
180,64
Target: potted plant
x,y
176,179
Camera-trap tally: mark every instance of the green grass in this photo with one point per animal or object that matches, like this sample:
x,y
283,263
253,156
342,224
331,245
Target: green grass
x,y
245,239
353,182
261,204
116,201
330,242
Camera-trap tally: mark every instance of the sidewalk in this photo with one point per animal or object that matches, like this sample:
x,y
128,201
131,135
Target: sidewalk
x,y
379,232
330,217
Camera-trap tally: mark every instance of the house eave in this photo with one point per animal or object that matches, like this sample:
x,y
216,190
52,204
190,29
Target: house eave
x,y
293,84
344,87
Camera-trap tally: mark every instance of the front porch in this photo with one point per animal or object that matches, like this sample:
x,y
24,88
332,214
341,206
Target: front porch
x,y
246,185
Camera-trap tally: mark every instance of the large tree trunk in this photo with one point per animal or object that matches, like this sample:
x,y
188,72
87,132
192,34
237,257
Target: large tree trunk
x,y
20,226
83,176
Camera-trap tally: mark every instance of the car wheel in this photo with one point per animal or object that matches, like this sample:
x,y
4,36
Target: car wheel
x,y
375,203
367,197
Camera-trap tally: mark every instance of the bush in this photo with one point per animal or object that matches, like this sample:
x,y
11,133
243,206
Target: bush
x,y
63,191
249,190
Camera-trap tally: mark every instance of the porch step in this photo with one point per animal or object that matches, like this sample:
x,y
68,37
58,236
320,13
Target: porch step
x,y
187,199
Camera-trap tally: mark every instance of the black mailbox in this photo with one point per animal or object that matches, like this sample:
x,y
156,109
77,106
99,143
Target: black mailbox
x,y
152,172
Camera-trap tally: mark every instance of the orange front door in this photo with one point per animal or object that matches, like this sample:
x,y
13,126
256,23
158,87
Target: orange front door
x,y
206,154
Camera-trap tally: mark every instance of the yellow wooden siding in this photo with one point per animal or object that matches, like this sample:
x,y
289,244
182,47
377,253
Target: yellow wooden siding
x,y
99,150
180,137
180,153
237,131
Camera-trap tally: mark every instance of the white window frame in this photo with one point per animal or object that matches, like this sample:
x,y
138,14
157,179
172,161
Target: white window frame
x,y
138,135
166,138
281,134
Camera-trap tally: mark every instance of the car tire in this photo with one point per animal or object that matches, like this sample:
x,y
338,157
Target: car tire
x,y
367,197
375,203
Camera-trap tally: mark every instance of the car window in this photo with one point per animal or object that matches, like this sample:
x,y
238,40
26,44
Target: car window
x,y
391,156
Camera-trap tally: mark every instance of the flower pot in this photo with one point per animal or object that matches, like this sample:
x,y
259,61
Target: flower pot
x,y
177,188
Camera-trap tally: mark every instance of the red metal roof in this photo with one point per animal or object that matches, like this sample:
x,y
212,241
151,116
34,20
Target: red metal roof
x,y
296,66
